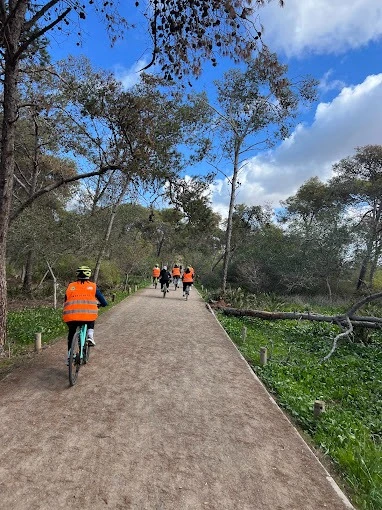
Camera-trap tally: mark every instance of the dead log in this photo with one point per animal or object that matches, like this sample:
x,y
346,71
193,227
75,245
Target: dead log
x,y
341,320
346,321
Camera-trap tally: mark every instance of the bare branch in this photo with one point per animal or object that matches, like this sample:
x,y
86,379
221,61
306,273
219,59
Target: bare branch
x,y
337,338
58,184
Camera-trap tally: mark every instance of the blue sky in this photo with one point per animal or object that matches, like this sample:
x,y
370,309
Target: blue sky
x,y
339,42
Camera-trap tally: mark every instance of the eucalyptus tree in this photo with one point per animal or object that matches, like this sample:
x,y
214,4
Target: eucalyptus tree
x,y
358,183
142,130
183,33
37,163
255,107
316,220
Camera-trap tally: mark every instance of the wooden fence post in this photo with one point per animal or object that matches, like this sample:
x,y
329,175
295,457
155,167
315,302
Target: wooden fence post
x,y
319,408
263,356
37,342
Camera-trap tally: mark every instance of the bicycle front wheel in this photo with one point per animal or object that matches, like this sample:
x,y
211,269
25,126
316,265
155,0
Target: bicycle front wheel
x,y
74,359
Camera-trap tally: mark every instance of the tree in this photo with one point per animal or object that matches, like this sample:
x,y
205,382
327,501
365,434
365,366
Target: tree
x,y
358,183
184,33
320,236
24,26
256,107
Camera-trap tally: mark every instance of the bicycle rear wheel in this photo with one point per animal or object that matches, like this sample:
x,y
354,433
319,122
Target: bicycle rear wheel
x,y
74,359
86,352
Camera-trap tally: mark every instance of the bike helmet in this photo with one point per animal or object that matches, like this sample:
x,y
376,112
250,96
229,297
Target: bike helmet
x,y
83,272
164,267
156,265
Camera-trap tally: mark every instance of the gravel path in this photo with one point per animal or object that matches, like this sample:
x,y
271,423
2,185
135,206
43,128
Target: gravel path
x,y
167,416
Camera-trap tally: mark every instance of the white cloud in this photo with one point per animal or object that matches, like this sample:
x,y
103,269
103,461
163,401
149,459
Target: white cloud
x,y
326,84
321,26
129,77
350,120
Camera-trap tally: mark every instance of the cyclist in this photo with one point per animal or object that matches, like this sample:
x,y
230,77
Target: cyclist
x,y
164,278
156,273
176,274
187,279
81,305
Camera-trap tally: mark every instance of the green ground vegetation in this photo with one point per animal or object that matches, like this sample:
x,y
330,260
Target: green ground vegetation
x,y
349,382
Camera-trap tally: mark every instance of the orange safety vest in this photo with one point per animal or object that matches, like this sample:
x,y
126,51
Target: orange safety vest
x,y
156,272
81,302
175,271
188,277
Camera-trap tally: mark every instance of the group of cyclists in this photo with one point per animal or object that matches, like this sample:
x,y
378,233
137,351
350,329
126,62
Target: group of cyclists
x,y
82,297
164,276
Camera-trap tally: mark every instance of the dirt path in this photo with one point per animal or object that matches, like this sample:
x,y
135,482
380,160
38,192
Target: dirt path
x,y
167,416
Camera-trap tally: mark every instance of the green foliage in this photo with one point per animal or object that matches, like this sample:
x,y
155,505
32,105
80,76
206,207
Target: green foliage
x,y
349,382
22,326
110,276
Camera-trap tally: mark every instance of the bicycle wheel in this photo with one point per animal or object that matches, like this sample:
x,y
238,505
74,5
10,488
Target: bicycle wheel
x,y
74,359
86,352
86,345
164,290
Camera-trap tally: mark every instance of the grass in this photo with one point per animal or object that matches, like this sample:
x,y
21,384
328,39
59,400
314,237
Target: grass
x,y
350,383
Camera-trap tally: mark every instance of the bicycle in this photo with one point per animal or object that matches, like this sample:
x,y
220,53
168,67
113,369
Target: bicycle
x,y
176,282
164,290
187,291
155,282
79,353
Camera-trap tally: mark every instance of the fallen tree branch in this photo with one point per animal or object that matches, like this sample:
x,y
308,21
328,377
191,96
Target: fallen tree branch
x,y
335,341
342,320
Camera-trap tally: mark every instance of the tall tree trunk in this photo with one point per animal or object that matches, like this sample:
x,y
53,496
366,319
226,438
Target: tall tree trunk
x,y
374,263
365,262
160,245
109,229
377,243
102,251
27,281
12,29
228,237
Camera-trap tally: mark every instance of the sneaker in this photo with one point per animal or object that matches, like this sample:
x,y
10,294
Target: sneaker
x,y
91,342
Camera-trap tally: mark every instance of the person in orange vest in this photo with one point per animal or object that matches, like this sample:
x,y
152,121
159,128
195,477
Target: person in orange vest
x,y
176,274
81,304
156,273
187,279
